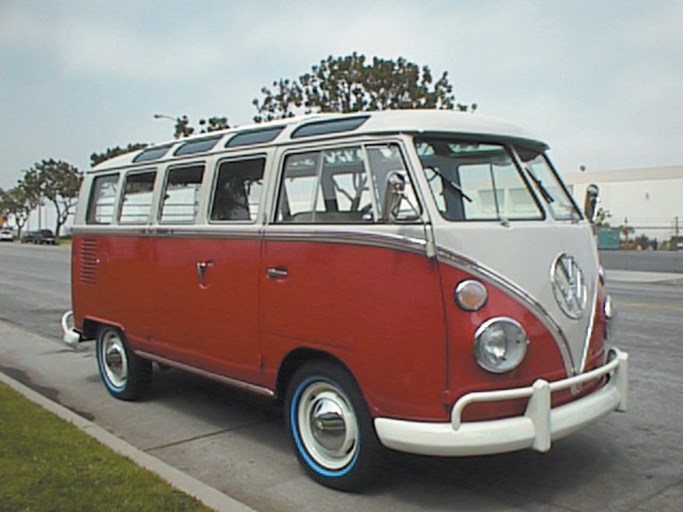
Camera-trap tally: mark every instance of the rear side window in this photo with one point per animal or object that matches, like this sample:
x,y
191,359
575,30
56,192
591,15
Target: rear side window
x,y
102,199
237,192
180,200
136,203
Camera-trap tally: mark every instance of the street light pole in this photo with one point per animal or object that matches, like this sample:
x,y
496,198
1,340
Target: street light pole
x,y
176,122
164,116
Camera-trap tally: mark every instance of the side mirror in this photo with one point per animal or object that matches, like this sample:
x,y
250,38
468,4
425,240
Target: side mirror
x,y
394,192
591,201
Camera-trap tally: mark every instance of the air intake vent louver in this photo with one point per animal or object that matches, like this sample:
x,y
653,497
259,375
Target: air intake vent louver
x,y
88,259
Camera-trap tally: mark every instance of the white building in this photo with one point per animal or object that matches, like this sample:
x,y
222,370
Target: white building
x,y
650,200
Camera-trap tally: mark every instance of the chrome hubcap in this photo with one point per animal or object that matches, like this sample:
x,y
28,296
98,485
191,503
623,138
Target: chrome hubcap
x,y
328,425
114,360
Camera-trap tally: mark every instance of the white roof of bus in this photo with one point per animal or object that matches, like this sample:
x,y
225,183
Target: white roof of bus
x,y
394,121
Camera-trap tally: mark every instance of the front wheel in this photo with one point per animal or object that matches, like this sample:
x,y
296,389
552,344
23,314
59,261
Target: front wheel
x,y
125,375
331,428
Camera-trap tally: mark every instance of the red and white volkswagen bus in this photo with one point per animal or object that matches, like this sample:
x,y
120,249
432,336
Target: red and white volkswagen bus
x,y
415,280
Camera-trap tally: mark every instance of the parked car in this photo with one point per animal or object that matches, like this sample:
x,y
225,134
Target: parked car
x,y
46,237
40,237
6,235
29,237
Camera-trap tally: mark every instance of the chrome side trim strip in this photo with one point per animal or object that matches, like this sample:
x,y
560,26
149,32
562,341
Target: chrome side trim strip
x,y
462,262
108,230
246,386
381,240
175,232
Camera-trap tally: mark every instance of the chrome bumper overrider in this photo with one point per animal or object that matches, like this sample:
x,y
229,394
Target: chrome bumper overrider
x,y
69,334
536,429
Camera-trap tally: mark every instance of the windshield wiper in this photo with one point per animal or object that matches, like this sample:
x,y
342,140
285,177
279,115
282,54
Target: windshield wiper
x,y
452,184
541,188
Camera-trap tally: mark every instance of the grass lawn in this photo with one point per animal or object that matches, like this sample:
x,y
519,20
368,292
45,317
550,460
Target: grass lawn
x,y
47,464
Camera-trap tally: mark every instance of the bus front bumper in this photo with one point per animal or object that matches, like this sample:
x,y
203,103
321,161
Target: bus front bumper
x,y
69,334
536,429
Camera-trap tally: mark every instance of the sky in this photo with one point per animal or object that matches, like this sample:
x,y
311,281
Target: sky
x,y
600,81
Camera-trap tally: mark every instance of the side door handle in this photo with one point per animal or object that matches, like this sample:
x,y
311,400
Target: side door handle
x,y
277,272
202,267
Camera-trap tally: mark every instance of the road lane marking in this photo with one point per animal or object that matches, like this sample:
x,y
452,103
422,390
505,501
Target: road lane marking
x,y
650,305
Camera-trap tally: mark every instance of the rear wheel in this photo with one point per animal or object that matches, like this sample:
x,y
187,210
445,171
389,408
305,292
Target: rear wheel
x,y
125,375
331,428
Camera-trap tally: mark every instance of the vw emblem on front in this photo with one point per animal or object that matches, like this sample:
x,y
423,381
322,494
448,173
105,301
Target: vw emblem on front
x,y
569,286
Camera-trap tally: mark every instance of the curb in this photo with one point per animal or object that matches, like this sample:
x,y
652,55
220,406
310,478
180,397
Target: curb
x,y
206,494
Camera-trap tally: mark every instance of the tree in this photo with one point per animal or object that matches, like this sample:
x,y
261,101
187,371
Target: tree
x,y
59,183
350,84
97,158
626,231
183,128
212,124
5,207
602,217
280,103
18,202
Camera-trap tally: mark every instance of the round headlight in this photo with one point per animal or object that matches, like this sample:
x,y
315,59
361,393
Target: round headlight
x,y
500,345
470,295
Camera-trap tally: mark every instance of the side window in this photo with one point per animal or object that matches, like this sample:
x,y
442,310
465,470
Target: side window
x,y
385,161
136,204
102,199
298,194
329,186
237,194
180,200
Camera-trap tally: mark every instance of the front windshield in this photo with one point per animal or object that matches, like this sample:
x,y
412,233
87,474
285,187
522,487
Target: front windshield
x,y
548,185
476,181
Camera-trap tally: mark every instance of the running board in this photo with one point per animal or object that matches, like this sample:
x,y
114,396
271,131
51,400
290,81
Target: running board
x,y
246,386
